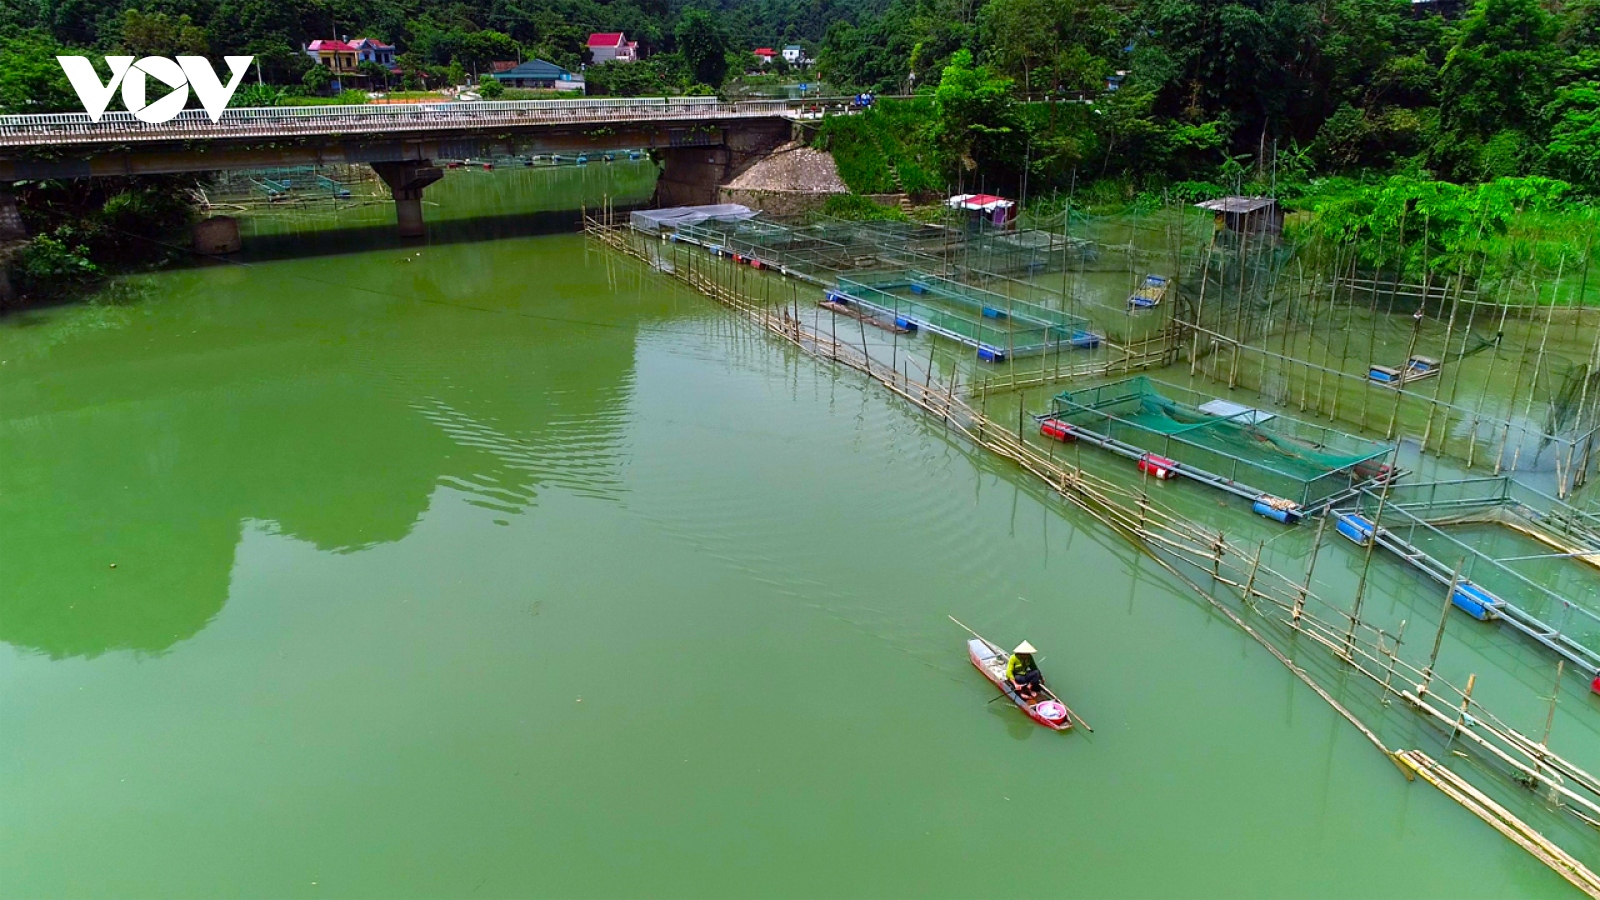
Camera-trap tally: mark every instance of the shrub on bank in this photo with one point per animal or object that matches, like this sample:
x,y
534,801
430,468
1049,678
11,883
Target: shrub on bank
x,y
860,209
84,230
872,147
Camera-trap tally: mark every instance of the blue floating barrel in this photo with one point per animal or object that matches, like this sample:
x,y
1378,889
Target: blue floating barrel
x,y
990,312
1354,527
1085,340
907,324
836,297
918,288
1383,374
1475,601
991,354
1279,512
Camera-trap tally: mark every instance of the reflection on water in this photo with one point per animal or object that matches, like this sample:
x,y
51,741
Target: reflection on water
x,y
328,395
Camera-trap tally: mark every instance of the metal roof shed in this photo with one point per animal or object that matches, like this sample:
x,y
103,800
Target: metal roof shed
x,y
1247,215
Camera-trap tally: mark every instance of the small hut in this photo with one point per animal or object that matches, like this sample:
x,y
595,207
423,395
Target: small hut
x,y
1247,215
986,208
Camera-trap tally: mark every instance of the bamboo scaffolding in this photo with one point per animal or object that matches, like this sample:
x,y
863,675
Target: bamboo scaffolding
x,y
1282,607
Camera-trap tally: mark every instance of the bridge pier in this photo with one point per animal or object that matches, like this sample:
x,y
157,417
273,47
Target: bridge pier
x,y
406,181
690,176
11,227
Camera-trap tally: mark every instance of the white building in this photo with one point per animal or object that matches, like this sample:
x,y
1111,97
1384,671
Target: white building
x,y
612,46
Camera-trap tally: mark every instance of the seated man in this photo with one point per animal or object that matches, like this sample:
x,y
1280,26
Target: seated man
x,y
1021,672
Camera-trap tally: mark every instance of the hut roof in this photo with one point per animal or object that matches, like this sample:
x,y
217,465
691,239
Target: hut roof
x,y
1237,204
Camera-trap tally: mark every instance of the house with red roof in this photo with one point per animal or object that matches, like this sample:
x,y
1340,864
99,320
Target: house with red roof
x,y
765,54
612,46
338,56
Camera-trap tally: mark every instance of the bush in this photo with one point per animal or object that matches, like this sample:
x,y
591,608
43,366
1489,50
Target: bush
x,y
871,147
491,89
52,264
257,95
317,79
860,209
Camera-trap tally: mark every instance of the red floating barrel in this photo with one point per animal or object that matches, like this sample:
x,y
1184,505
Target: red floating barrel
x,y
1057,430
1366,471
1159,466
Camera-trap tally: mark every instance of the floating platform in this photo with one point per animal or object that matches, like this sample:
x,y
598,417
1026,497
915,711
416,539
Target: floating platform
x,y
1163,468
1246,451
995,326
1468,596
840,304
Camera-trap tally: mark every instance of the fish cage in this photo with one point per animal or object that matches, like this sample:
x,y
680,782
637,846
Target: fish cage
x,y
682,219
334,182
1247,451
815,251
996,326
1514,554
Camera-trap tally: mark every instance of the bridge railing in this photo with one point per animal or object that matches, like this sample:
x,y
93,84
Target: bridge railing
x,y
192,124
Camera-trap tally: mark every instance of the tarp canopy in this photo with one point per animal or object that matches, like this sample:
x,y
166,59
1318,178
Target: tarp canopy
x,y
1237,204
982,202
679,216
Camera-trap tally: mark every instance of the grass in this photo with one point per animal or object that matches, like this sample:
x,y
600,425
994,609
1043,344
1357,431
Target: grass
x,y
860,209
870,147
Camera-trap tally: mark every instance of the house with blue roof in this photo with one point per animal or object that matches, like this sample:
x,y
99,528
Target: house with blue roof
x,y
540,75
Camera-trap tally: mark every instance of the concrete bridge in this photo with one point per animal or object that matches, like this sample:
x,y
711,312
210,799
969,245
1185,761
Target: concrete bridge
x,y
703,141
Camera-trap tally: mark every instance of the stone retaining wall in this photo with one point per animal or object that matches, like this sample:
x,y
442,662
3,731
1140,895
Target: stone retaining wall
x,y
790,203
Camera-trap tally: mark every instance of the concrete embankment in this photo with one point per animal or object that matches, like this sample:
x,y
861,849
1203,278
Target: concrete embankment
x,y
794,179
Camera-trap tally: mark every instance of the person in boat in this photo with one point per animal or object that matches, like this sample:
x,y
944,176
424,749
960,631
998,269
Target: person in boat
x,y
1022,673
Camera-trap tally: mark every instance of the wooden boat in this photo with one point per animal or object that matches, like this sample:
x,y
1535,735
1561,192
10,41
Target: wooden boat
x,y
991,661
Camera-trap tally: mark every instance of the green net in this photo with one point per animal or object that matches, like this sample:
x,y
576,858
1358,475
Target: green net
x,y
1300,460
996,325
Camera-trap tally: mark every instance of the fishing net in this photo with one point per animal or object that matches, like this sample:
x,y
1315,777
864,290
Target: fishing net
x,y
1273,452
996,325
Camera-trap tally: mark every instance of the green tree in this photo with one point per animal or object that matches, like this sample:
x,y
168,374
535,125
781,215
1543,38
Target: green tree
x,y
1496,80
1573,152
30,79
273,31
317,80
158,34
480,48
636,79
377,75
704,47
1049,44
974,122
490,88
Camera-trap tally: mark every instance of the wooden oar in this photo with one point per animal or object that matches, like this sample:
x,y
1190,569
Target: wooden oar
x,y
996,648
992,645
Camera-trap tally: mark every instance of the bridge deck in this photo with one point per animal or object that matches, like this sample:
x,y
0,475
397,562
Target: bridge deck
x,y
77,129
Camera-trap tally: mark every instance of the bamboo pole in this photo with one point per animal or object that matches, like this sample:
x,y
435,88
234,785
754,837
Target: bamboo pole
x,y
1438,637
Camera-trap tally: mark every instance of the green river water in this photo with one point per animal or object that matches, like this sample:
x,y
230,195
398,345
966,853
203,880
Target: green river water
x,y
499,566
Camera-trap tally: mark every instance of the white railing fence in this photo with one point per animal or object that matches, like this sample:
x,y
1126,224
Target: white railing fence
x,y
77,128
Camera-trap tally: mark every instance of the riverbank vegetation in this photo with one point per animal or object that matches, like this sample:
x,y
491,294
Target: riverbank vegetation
x,y
84,230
